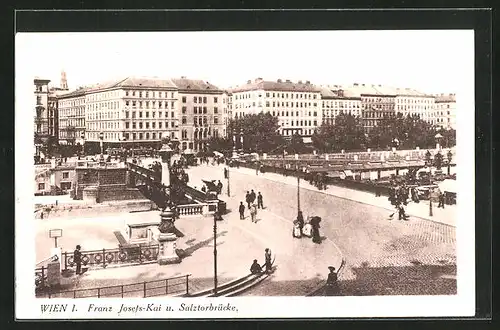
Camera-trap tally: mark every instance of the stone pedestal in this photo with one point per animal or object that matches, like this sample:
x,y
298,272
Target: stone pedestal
x,y
167,254
54,273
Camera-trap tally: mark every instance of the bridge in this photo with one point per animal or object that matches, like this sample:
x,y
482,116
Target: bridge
x,y
189,201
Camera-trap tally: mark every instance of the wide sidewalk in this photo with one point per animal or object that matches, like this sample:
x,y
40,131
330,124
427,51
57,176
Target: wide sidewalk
x,y
421,210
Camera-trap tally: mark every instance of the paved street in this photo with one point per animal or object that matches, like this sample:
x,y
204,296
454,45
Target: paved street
x,y
383,256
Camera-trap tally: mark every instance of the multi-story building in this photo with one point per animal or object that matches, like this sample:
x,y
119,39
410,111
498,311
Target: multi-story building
x,y
202,112
336,101
297,105
43,123
72,117
131,112
445,111
410,102
377,101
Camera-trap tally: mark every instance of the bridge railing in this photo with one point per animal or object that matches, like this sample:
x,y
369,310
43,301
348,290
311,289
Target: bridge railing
x,y
191,209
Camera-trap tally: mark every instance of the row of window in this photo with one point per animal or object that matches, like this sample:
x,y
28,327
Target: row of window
x,y
413,100
146,114
153,94
145,104
242,96
202,121
301,123
285,104
200,110
73,122
147,125
291,113
103,106
131,136
200,99
102,96
71,102
74,112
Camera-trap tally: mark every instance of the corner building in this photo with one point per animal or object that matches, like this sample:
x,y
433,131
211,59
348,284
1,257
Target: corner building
x,y
71,108
132,112
203,112
297,105
445,108
335,101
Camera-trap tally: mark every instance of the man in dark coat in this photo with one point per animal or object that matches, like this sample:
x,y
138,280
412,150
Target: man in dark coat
x,y
219,187
248,199
267,256
252,196
255,268
77,258
260,203
242,211
332,285
441,200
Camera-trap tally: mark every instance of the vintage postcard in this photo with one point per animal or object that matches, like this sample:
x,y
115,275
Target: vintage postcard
x,y
273,174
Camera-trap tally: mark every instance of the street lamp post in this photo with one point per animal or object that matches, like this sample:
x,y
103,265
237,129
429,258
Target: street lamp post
x,y
101,142
298,190
215,253
450,156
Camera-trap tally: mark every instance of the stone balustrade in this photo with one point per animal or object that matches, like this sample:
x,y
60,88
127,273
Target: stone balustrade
x,y
191,209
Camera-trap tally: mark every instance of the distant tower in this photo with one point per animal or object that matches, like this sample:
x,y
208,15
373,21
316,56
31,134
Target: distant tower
x,y
64,81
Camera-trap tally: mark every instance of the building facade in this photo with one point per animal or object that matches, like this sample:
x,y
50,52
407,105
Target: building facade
x,y
202,112
297,105
43,123
72,117
444,114
336,101
410,103
131,112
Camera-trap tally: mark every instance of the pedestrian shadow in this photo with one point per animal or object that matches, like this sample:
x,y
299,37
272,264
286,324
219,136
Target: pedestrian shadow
x,y
189,251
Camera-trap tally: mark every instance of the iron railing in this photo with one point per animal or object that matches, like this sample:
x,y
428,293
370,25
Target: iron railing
x,y
177,285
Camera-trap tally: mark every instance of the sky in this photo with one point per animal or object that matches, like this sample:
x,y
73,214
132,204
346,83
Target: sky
x,y
430,61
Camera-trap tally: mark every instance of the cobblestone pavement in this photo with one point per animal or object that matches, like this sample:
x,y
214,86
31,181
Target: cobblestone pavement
x,y
447,215
383,256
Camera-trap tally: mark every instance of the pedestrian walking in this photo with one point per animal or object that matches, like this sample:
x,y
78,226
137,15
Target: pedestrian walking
x,y
219,187
332,286
225,173
253,213
242,211
441,200
252,196
268,263
300,221
247,199
260,203
77,259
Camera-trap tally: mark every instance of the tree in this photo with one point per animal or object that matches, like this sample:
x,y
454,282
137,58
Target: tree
x,y
346,133
438,160
296,145
260,132
220,144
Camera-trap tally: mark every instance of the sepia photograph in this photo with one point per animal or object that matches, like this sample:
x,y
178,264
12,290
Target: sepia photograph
x,y
305,167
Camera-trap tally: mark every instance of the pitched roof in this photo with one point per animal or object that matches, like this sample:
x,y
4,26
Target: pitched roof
x,y
198,85
135,82
445,98
280,86
382,90
78,92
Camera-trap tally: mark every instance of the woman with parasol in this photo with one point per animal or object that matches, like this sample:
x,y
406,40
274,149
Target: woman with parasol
x,y
315,220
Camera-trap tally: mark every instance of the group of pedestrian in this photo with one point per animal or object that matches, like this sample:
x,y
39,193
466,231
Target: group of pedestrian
x,y
251,205
256,268
309,229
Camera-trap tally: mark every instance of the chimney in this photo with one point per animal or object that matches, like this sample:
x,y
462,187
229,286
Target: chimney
x,y
279,80
308,82
249,81
356,84
258,80
183,77
363,85
379,85
300,82
288,81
